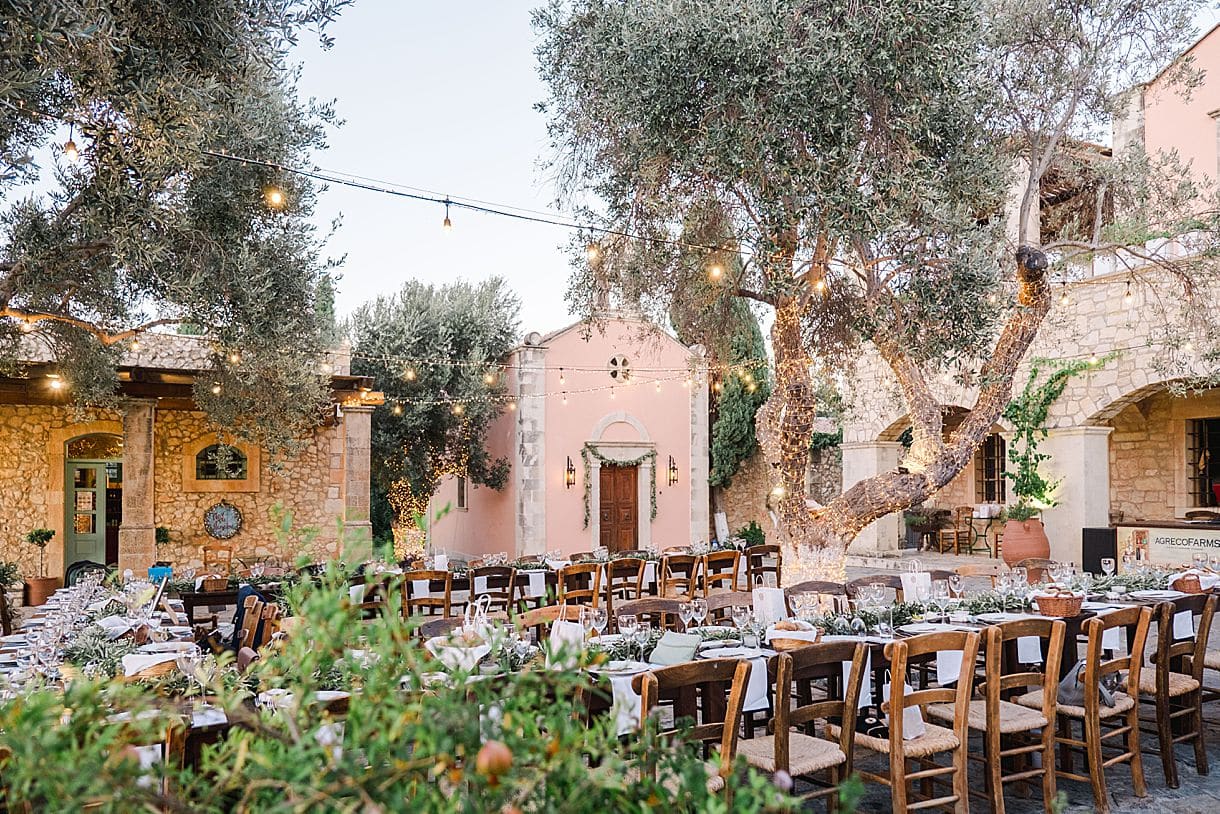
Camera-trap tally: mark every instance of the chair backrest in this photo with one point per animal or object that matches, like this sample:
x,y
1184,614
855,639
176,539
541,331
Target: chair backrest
x,y
981,569
720,570
658,611
1135,621
719,606
249,622
762,560
813,586
1191,651
583,556
1036,568
804,665
1002,678
217,558
900,654
891,581
539,620
521,583
427,591
497,582
245,657
962,516
678,574
580,583
378,588
624,578
714,687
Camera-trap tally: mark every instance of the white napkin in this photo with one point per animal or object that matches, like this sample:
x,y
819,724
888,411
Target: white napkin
x,y
913,725
1029,650
948,667
916,585
356,593
137,662
115,626
1111,639
1207,580
556,565
866,679
537,586
441,562
769,605
208,716
1183,625
480,585
419,588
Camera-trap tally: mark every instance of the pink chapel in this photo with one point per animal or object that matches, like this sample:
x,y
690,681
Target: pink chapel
x,y
607,443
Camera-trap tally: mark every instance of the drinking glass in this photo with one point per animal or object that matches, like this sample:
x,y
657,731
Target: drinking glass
x,y
914,566
599,620
1128,560
699,604
686,613
1107,565
188,662
1199,559
628,624
957,585
1213,561
586,619
940,595
741,615
642,633
1020,577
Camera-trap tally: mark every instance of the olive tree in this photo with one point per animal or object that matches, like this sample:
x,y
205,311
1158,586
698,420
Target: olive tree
x,y
121,214
869,156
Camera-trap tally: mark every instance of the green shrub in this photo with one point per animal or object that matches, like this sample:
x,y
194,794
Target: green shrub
x,y
752,534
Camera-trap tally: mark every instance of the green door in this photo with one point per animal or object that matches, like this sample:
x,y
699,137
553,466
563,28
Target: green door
x,y
86,509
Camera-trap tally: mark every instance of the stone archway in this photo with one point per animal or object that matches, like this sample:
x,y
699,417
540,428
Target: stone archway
x,y
57,445
622,450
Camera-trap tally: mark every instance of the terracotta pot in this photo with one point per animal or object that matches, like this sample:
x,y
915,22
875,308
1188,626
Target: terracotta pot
x,y
1024,538
37,589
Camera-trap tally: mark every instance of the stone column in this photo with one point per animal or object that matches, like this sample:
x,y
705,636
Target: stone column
x,y
1080,460
137,533
357,450
861,461
530,470
700,502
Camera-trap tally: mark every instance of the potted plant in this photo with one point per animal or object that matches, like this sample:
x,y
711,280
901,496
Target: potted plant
x,y
162,539
11,583
1024,535
40,587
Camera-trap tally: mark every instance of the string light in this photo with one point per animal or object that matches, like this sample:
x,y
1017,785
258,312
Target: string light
x,y
397,409
135,344
565,398
489,378
216,390
1064,299
778,491
56,382
27,326
593,251
658,385
70,151
327,367
409,374
686,382
511,406
1127,295
715,271
274,196
234,358
819,285
459,408
611,392
448,224
562,378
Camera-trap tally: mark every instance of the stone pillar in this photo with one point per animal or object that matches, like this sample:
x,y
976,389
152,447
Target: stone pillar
x,y
1080,460
137,533
700,502
861,461
530,474
357,450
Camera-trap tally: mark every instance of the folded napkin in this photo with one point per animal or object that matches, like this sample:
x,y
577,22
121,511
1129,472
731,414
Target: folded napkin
x,y
1207,579
356,593
916,586
134,663
769,605
675,648
948,666
115,626
1183,625
800,635
537,585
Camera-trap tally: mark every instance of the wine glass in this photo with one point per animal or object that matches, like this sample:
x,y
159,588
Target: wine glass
x,y
1107,565
914,565
642,632
741,615
599,620
940,595
586,619
188,662
699,605
1020,577
1199,558
957,584
686,613
628,623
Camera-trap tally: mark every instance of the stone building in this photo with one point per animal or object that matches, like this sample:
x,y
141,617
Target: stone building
x,y
1128,445
607,443
105,479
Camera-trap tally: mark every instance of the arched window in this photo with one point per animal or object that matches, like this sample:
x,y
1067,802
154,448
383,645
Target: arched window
x,y
98,446
220,462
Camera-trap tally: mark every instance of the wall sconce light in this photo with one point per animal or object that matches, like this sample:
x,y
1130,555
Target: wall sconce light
x,y
569,474
673,471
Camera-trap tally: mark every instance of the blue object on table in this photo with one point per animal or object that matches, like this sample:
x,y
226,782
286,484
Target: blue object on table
x,y
159,572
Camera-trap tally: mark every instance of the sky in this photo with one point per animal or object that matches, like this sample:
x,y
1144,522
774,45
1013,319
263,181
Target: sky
x,y
438,96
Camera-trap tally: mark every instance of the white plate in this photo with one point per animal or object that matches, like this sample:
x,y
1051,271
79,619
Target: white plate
x,y
713,644
731,653
996,617
1097,606
1156,594
167,647
924,627
621,668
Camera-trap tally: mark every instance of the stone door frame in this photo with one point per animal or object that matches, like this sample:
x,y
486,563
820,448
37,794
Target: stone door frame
x,y
57,462
624,451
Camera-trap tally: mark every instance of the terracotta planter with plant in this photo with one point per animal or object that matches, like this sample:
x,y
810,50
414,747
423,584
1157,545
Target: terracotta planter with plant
x,y
39,588
1024,535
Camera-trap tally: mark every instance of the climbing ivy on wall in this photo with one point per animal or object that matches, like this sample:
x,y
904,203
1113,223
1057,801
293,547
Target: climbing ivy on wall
x,y
589,451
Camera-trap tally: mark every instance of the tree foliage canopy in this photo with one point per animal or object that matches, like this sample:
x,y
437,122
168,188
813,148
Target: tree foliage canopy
x,y
148,227
429,349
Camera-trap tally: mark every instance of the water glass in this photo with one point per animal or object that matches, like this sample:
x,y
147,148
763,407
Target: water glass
x,y
599,620
1107,565
699,604
628,623
686,613
957,585
741,616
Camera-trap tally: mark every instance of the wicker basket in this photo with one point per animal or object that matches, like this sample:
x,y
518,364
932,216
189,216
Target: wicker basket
x,y
212,584
786,645
1059,602
1188,584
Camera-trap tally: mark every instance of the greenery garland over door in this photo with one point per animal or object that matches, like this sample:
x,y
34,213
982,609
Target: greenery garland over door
x,y
650,456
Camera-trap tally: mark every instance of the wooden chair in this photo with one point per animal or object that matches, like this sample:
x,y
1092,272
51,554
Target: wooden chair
x,y
1121,719
1001,721
720,606
624,579
1036,568
658,611
892,581
937,739
550,590
217,559
499,583
961,531
981,569
679,575
801,753
710,694
1173,685
246,656
580,584
434,596
813,586
583,556
252,615
762,560
378,588
720,569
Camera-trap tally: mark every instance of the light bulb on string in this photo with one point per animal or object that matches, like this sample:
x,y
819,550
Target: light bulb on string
x,y
1127,295
274,196
459,408
56,382
135,344
611,392
216,390
409,374
565,397
327,368
686,382
819,285
447,225
489,378
234,358
1064,299
512,405
658,385
715,271
397,409
562,378
70,151
593,251
27,326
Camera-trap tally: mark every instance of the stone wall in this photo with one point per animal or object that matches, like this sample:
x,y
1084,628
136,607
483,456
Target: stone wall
x,y
824,478
1142,460
745,498
31,494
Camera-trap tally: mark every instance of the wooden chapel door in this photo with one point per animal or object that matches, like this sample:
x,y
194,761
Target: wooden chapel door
x,y
619,508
